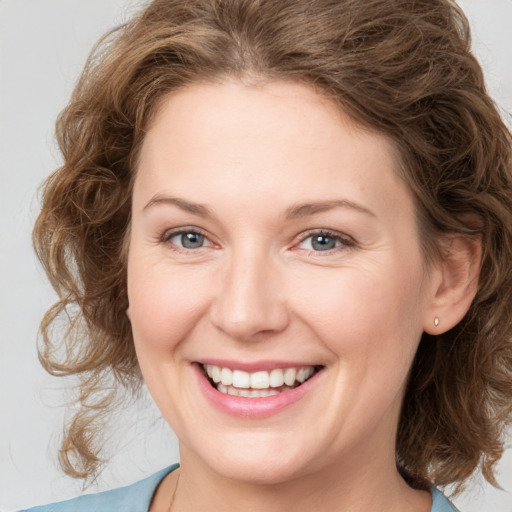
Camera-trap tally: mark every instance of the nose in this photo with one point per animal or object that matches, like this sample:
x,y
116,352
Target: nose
x,y
250,301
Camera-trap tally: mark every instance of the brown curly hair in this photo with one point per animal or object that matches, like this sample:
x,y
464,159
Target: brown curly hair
x,y
401,67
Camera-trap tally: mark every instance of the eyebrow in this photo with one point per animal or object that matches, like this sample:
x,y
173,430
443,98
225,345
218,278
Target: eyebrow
x,y
195,208
303,210
294,212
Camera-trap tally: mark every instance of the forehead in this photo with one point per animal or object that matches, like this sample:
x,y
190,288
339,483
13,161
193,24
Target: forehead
x,y
219,112
263,141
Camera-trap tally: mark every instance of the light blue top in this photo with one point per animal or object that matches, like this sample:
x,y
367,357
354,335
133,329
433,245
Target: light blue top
x,y
132,498
137,498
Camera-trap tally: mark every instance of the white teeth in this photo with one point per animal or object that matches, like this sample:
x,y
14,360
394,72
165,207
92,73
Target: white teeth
x,y
260,383
241,379
276,378
251,393
289,376
260,380
272,392
304,373
216,374
213,372
226,376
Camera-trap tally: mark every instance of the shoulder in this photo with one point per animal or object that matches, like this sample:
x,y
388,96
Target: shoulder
x,y
132,498
440,502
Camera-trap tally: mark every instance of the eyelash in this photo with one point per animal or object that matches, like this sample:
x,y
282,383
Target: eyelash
x,y
345,242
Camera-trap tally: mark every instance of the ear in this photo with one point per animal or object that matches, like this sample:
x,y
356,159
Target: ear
x,y
455,283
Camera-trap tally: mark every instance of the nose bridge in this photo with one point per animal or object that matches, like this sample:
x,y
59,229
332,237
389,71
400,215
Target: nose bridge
x,y
249,300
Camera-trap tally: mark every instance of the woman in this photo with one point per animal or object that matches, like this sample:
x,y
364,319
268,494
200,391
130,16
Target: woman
x,y
292,220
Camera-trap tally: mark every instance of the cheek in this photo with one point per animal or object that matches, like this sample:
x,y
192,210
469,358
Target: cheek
x,y
365,312
165,303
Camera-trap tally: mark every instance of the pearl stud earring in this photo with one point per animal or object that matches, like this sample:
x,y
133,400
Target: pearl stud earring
x,y
436,321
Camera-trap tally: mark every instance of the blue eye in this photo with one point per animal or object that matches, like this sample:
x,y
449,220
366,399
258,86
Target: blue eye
x,y
187,239
323,241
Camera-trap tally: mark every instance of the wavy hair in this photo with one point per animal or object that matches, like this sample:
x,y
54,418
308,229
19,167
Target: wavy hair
x,y
403,68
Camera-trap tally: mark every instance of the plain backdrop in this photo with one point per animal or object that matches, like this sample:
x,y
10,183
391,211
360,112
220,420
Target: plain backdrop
x,y
43,46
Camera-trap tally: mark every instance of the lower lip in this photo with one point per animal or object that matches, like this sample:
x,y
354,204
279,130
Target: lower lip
x,y
252,407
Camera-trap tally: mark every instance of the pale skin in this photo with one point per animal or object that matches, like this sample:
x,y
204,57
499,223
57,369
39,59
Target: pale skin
x,y
256,173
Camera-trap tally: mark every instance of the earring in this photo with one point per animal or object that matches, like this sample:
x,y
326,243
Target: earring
x,y
436,321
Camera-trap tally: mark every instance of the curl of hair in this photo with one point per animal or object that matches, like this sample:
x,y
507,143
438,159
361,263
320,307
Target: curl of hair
x,y
400,67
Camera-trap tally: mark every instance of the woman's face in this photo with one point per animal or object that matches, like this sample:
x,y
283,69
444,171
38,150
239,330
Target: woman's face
x,y
272,241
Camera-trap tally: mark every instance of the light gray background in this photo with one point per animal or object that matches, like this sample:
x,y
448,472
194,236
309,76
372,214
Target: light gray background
x,y
43,45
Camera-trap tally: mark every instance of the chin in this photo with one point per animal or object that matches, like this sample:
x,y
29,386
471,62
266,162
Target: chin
x,y
259,472
268,462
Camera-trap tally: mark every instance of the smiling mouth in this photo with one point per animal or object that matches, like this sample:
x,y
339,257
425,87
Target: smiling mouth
x,y
258,384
